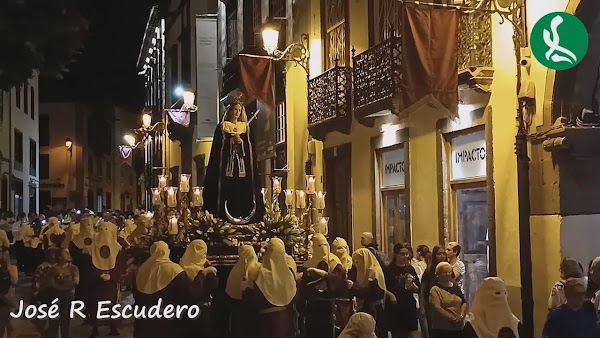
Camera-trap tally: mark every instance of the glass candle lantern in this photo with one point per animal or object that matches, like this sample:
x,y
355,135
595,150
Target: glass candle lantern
x,y
300,199
276,185
310,184
289,198
184,183
173,225
162,182
320,200
322,226
155,196
172,197
197,199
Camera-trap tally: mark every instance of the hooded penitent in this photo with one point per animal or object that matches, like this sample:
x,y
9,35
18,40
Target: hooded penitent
x,y
360,325
274,278
243,268
194,258
128,229
367,268
105,248
490,311
26,232
86,234
321,253
340,248
158,271
53,229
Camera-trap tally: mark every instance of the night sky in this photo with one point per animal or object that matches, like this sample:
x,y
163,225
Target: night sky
x,y
106,69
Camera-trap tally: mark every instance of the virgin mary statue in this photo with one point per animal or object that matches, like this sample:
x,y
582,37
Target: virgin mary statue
x,y
231,189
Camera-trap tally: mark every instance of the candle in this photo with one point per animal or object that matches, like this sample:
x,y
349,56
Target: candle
x,y
149,215
300,199
162,182
320,200
310,184
289,198
171,197
173,225
264,191
155,196
321,227
197,200
276,185
184,183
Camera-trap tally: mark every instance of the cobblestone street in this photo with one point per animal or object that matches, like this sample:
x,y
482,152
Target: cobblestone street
x,y
24,328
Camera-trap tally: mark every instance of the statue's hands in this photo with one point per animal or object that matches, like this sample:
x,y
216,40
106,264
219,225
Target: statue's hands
x,y
237,139
105,277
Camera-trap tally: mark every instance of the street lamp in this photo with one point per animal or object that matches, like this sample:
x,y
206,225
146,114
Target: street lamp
x,y
130,140
296,52
146,120
270,36
69,144
188,99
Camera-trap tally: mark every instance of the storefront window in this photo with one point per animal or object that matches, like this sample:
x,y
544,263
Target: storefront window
x,y
470,215
472,220
394,227
394,209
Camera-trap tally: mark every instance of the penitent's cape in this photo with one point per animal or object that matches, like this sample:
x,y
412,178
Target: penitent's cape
x,y
239,192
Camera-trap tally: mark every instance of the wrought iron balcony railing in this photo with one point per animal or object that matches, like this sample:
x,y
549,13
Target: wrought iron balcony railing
x,y
377,79
329,106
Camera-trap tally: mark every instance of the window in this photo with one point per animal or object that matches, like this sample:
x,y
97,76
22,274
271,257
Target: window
x,y
277,8
32,158
91,170
99,173
32,198
26,98
394,226
90,200
44,166
335,32
18,195
257,21
232,34
32,104
280,124
18,97
174,57
18,150
386,21
108,171
44,130
108,201
186,55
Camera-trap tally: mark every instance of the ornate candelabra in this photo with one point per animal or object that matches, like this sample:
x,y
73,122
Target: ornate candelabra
x,y
307,204
171,205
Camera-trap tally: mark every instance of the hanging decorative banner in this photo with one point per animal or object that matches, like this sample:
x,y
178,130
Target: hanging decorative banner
x,y
126,152
180,116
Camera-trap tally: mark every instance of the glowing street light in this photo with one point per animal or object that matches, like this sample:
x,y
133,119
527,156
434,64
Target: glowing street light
x,y
146,120
129,139
69,143
188,98
179,91
270,36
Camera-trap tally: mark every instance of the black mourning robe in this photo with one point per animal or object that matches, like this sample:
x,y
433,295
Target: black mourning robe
x,y
201,289
176,293
321,298
240,192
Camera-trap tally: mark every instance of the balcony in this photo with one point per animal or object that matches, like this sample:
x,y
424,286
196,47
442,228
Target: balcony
x,y
378,70
329,106
377,80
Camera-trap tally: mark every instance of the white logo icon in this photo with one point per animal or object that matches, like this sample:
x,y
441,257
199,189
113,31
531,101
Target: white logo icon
x,y
553,43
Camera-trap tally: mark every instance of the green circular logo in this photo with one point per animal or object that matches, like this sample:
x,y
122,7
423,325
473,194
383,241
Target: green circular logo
x,y
559,40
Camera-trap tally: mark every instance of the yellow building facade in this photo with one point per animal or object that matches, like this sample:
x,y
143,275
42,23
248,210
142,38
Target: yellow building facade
x,y
433,189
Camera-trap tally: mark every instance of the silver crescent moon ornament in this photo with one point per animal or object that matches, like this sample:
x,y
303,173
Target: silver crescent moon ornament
x,y
240,220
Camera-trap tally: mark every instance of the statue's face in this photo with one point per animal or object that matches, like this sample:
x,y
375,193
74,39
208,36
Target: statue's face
x,y
236,111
